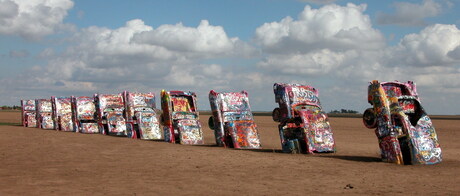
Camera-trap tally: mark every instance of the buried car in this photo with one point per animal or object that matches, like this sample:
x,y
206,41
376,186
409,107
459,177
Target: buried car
x,y
304,127
85,114
141,116
45,114
28,115
110,108
232,120
405,133
62,113
180,118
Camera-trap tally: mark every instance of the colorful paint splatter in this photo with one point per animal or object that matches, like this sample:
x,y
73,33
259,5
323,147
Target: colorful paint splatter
x,y
62,113
304,127
232,120
141,116
110,109
405,132
28,115
45,114
180,118
85,114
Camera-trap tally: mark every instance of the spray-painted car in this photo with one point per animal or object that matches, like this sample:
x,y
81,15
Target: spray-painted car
x,y
141,116
405,133
85,114
28,113
180,118
110,108
45,114
232,120
304,127
62,113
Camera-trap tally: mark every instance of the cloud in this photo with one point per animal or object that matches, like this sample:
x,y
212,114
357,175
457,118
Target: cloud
x,y
333,48
318,1
135,57
32,19
18,53
330,27
431,58
205,40
336,49
320,42
436,45
410,14
313,63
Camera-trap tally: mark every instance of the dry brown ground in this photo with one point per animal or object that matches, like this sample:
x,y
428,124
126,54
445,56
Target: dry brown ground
x,y
45,162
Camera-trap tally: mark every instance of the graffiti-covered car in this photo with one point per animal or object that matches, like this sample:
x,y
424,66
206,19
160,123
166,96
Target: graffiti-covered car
x,y
304,127
62,113
28,113
110,108
141,116
85,114
232,120
405,132
45,114
180,118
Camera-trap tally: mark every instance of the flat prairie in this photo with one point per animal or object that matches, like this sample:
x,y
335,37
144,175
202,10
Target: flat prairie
x,y
48,162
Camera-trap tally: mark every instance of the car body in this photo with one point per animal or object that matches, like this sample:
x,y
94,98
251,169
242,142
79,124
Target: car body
x,y
141,116
405,132
45,114
180,118
85,114
110,109
62,113
304,127
28,113
232,120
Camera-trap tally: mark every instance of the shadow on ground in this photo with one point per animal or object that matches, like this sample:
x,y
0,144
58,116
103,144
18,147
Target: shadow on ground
x,y
354,158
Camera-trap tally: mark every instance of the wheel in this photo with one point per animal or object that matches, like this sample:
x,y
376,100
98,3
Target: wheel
x,y
211,123
292,146
405,150
162,120
276,114
167,134
103,129
369,118
131,131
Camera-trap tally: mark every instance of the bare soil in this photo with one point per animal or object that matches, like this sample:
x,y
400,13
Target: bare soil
x,y
47,162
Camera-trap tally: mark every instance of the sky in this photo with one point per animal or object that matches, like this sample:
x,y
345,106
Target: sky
x,y
81,47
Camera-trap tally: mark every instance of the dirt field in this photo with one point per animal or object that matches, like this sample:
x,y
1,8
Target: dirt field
x,y
47,162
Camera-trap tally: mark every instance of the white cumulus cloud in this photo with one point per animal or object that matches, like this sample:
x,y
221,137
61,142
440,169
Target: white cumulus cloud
x,y
436,45
331,26
312,63
32,19
324,41
203,41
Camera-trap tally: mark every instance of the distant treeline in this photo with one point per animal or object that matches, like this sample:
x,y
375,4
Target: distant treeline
x,y
343,111
15,107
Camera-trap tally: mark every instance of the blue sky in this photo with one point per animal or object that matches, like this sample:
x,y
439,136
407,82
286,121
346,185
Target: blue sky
x,y
81,47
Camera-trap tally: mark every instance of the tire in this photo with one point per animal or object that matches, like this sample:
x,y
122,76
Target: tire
x,y
405,150
211,123
166,134
276,115
162,120
292,146
369,118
